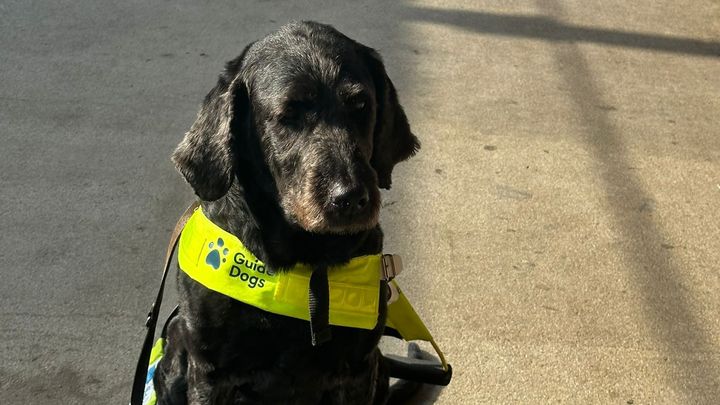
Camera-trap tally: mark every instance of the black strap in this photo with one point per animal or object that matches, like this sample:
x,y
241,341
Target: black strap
x,y
319,306
173,314
388,331
138,387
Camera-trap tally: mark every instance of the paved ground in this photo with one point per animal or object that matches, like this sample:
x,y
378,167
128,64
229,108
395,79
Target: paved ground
x,y
560,226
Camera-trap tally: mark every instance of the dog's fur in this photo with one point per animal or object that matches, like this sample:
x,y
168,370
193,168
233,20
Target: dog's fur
x,y
302,122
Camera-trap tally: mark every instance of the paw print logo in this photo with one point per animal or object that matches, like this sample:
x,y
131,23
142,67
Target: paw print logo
x,y
217,254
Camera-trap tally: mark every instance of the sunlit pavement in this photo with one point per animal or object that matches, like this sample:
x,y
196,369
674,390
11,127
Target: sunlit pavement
x,y
560,226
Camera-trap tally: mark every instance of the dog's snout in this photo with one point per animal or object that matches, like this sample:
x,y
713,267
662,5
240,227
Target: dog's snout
x,y
350,200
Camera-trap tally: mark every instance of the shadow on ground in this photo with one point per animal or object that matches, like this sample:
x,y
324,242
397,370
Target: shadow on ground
x,y
552,29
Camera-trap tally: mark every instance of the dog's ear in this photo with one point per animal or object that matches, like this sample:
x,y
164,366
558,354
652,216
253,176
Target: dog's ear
x,y
393,140
205,157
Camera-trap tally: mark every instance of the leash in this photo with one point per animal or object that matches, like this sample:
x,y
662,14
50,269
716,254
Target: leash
x,y
138,386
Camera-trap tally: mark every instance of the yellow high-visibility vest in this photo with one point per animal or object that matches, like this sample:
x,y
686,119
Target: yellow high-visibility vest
x,y
218,260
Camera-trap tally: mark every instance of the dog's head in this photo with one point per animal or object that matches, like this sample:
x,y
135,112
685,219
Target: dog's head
x,y
324,116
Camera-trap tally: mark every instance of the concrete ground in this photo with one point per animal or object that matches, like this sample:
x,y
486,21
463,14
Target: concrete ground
x,y
560,227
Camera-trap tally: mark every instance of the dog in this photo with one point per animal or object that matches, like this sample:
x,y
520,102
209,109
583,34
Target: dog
x,y
288,153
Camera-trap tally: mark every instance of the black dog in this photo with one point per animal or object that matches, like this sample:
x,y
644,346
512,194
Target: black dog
x,y
288,153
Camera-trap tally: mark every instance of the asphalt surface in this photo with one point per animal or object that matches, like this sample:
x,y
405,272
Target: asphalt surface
x,y
560,226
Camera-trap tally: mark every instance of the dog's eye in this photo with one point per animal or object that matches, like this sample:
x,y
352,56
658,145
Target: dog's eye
x,y
301,105
296,109
356,103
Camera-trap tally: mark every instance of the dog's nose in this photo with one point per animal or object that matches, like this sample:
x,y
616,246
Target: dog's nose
x,y
349,200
